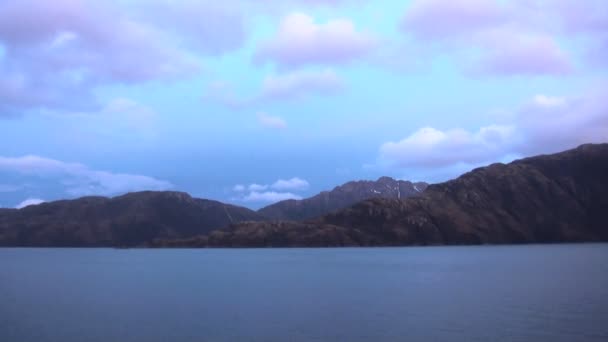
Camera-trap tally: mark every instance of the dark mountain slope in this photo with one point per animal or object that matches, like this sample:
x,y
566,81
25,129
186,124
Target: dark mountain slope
x,y
127,220
341,197
543,199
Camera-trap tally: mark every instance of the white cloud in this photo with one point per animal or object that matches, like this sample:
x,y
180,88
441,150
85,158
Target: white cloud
x,y
294,183
283,189
269,196
548,101
28,202
301,41
78,179
429,147
257,187
546,124
270,121
238,188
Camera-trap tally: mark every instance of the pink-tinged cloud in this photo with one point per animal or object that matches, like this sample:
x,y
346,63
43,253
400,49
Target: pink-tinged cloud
x,y
578,16
444,19
88,39
552,124
56,52
507,52
490,37
301,41
598,54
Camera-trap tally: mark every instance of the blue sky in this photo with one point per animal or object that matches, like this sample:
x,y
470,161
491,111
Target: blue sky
x,y
250,102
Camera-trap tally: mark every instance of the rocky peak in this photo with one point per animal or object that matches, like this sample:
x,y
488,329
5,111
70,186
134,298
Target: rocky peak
x,y
341,197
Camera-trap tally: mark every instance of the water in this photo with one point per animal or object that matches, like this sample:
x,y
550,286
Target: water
x,y
515,293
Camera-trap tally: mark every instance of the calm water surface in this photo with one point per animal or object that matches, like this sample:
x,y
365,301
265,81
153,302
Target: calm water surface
x,y
515,293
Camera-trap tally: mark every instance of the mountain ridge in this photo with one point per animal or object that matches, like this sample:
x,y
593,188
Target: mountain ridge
x,y
341,197
126,220
543,199
131,219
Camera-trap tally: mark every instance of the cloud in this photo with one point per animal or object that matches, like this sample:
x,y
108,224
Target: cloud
x,y
492,37
257,187
429,147
271,121
269,196
541,100
439,19
509,52
301,83
546,124
56,53
294,85
327,3
589,16
294,183
78,179
28,202
282,189
552,124
209,27
301,41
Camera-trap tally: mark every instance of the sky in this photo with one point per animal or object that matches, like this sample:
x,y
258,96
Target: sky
x,y
250,102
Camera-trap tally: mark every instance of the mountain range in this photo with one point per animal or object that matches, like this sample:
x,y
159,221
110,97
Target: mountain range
x,y
543,199
138,218
129,220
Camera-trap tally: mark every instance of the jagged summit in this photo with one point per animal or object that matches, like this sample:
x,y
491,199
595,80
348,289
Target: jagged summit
x,y
341,197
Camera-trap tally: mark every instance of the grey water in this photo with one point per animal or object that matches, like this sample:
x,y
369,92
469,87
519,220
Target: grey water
x,y
484,293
